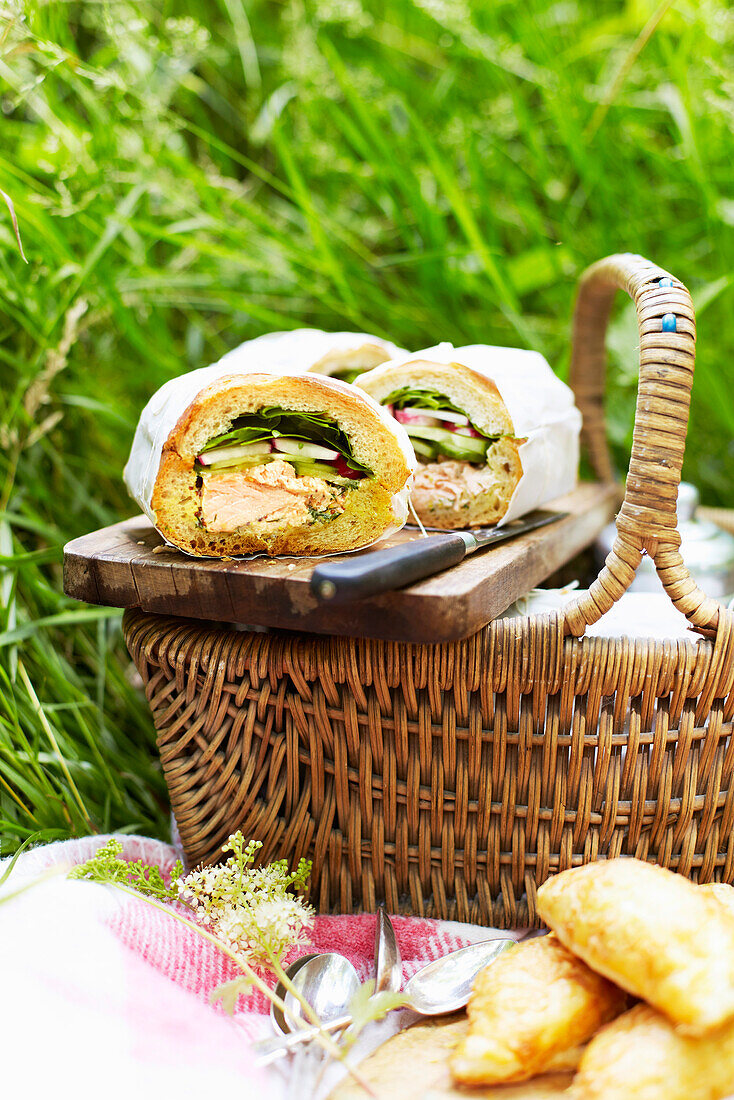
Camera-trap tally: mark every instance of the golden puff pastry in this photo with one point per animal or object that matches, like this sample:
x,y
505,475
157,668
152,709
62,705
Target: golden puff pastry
x,y
652,932
642,1055
720,891
528,1013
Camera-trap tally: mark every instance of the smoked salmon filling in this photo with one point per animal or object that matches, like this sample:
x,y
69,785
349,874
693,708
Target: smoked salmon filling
x,y
270,463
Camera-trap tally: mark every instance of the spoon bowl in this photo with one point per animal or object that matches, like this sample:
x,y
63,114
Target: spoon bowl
x,y
327,981
276,1015
444,985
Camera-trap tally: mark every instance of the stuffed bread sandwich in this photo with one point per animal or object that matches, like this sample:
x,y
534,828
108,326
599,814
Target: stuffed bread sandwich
x,y
249,462
343,355
496,433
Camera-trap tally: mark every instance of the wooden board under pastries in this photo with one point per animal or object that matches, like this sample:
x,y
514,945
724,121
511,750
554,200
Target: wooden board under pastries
x,y
414,1065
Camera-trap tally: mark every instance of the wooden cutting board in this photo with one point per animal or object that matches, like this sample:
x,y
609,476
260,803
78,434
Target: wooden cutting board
x,y
129,565
414,1065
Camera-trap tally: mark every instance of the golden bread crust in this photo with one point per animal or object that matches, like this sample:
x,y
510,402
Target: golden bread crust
x,y
363,358
445,496
474,393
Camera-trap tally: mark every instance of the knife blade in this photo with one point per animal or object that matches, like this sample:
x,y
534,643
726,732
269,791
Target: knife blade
x,y
377,571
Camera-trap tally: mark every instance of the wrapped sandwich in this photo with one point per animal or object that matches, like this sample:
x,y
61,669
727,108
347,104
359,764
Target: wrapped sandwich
x,y
229,462
343,355
496,433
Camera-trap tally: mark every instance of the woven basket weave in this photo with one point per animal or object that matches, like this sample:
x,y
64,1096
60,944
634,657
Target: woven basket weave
x,y
452,780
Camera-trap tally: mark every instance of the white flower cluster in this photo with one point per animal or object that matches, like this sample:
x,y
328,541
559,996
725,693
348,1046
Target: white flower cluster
x,y
250,909
265,929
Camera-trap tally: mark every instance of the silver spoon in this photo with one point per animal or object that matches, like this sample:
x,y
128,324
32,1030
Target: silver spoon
x,y
276,1014
327,981
444,985
440,987
388,974
328,984
388,963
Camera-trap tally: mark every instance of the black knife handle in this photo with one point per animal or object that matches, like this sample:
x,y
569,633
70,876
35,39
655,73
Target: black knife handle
x,y
383,570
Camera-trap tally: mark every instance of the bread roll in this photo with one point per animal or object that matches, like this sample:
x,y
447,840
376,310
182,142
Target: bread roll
x,y
641,1055
212,500
528,1013
652,932
508,440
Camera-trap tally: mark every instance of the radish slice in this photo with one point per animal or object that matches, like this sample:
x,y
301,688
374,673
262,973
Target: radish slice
x,y
452,417
432,414
413,416
227,454
344,470
301,449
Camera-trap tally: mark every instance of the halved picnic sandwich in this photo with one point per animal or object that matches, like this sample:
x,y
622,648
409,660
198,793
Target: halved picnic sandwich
x,y
496,433
233,463
343,355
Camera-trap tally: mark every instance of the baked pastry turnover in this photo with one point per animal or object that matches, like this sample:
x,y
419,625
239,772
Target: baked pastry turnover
x,y
652,932
528,1013
642,1056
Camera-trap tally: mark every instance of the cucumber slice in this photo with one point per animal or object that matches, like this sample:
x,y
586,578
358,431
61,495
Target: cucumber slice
x,y
301,449
306,467
459,448
236,464
234,453
422,448
449,443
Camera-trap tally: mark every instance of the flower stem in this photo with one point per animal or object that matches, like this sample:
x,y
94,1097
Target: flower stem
x,y
282,976
322,1038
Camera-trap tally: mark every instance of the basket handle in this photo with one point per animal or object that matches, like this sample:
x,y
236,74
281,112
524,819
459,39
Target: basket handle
x,y
647,519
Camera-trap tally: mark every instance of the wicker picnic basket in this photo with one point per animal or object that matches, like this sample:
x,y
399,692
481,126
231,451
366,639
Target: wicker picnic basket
x,y
451,780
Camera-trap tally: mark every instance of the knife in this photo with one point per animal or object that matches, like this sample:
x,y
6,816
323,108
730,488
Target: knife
x,y
384,570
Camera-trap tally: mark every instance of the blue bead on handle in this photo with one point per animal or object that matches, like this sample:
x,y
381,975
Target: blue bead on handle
x,y
669,322
665,282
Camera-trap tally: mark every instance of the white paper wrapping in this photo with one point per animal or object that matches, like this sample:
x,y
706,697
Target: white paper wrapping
x,y
306,349
542,410
635,615
167,405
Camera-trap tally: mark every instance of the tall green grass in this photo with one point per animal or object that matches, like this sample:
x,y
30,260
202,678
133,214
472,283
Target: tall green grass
x,y
187,175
